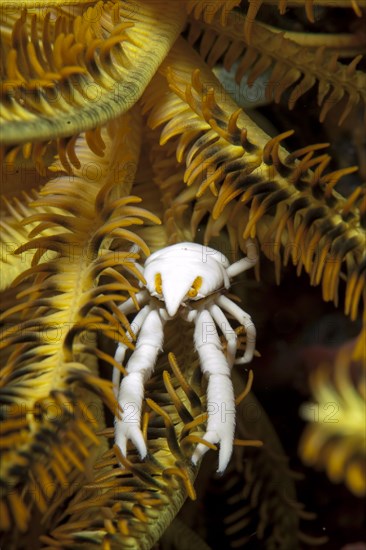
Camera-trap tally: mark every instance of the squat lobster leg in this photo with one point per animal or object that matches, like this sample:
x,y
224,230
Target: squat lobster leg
x,y
220,393
139,369
122,348
129,305
245,320
229,333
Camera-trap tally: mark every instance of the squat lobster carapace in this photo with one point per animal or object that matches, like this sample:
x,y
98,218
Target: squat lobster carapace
x,y
186,279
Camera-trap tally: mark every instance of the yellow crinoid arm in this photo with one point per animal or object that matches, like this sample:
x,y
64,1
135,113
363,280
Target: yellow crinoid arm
x,y
72,67
287,64
242,178
334,439
81,232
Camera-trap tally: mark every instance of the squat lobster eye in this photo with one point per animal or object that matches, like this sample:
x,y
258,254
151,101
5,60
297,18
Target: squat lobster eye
x,y
193,291
158,283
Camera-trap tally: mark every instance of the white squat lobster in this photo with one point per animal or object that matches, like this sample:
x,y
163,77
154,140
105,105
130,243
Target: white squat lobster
x,y
185,279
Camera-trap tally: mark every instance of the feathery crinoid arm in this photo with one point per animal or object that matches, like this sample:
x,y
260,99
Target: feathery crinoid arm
x,y
290,66
309,5
52,466
13,235
70,68
254,186
334,438
261,479
131,507
208,10
78,275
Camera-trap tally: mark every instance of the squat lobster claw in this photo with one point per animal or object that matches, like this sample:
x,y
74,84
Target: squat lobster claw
x,y
184,279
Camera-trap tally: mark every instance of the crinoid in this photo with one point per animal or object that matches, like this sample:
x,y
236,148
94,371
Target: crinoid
x,y
118,139
335,436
